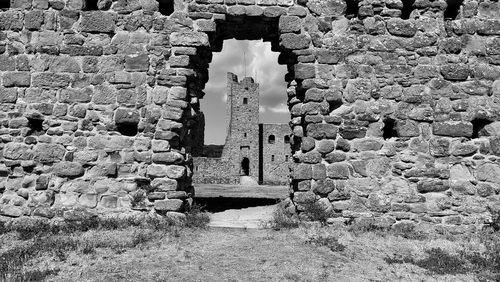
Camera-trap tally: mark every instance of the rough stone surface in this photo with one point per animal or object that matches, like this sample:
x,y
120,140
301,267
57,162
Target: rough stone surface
x,y
391,119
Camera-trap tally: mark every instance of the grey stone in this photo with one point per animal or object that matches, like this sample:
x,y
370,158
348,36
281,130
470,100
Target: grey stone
x,y
169,205
96,21
452,128
68,169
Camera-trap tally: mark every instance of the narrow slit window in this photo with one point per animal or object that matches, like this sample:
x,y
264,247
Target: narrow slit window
x,y
271,139
272,158
245,135
286,139
389,128
166,7
90,5
36,126
127,128
453,9
352,9
286,158
245,101
407,9
478,125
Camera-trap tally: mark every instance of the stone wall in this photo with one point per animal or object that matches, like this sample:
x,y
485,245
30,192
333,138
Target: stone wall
x,y
276,156
386,108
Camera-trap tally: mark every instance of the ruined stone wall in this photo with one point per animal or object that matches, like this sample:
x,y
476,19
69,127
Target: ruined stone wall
x,y
385,106
276,156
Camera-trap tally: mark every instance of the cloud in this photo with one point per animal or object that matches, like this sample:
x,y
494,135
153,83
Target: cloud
x,y
280,108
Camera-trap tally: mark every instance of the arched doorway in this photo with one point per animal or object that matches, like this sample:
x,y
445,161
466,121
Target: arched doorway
x,y
245,166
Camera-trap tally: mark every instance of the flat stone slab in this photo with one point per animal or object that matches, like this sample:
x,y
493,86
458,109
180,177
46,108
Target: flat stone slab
x,y
236,191
250,218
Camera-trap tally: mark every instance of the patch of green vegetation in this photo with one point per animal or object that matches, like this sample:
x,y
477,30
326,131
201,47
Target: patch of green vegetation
x,y
328,241
43,238
283,219
486,264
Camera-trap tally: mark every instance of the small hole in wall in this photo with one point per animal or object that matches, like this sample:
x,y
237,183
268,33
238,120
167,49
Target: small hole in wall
x,y
127,129
90,5
478,125
453,9
407,9
36,127
166,7
389,128
245,101
352,9
271,139
272,158
286,139
4,4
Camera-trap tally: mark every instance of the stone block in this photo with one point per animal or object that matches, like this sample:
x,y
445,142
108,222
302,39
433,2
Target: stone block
x,y
16,79
492,129
323,186
33,20
304,71
8,95
322,130
400,27
330,8
126,116
367,144
88,200
489,172
164,184
294,41
168,158
439,147
48,153
17,151
189,39
50,80
326,146
68,169
302,172
137,62
76,50
455,72
97,22
169,205
452,128
290,24
432,185
108,201
11,211
337,171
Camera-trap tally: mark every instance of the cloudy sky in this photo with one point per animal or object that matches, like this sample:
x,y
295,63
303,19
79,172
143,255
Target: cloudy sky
x,y
262,65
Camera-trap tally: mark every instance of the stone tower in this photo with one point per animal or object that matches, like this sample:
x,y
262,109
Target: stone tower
x,y
242,139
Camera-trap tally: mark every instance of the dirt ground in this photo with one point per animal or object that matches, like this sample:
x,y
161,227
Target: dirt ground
x,y
218,254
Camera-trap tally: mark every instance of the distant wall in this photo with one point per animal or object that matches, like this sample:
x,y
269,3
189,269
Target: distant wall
x,y
276,155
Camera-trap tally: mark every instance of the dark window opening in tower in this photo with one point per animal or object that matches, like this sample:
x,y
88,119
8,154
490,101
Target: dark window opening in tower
x,y
166,7
286,139
272,158
36,127
453,9
389,128
286,158
271,139
245,166
127,128
352,9
407,9
478,125
245,101
90,5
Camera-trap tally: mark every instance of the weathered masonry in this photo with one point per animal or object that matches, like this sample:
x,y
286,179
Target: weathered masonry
x,y
258,152
394,104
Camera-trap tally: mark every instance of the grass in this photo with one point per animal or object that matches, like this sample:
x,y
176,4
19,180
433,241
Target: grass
x,y
36,238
